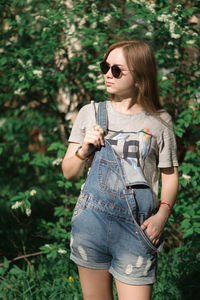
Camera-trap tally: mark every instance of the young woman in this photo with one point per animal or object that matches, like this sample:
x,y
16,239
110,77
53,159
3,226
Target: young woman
x,y
118,221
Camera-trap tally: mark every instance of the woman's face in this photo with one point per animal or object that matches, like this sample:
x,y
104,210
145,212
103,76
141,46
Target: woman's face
x,y
123,86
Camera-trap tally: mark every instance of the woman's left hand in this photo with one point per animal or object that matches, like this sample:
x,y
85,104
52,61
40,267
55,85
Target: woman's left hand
x,y
154,227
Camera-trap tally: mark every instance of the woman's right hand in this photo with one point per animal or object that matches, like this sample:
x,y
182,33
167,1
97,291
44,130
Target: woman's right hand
x,y
73,166
94,137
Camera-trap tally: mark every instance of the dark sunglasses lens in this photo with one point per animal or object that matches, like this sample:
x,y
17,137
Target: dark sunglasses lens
x,y
104,67
116,71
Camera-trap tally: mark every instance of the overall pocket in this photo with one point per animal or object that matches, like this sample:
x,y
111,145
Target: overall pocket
x,y
145,209
146,241
109,178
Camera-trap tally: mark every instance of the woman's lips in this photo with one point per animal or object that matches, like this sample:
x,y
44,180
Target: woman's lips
x,y
109,83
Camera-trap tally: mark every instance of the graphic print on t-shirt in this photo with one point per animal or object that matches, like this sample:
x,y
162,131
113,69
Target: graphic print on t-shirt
x,y
133,147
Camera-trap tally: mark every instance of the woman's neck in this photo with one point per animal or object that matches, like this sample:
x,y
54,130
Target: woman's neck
x,y
126,106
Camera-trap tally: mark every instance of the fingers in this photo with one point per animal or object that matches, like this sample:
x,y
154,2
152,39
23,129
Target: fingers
x,y
155,241
145,225
98,131
94,136
153,233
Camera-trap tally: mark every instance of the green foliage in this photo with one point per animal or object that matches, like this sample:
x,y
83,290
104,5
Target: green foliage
x,y
45,278
178,273
189,207
49,65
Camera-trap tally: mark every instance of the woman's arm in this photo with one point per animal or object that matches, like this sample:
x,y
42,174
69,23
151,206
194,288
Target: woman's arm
x,y
155,224
169,190
73,165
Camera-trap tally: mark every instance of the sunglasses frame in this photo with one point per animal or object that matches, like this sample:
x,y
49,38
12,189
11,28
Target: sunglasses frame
x,y
114,69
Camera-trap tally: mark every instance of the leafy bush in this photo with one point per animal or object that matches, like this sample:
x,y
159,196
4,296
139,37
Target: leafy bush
x,y
50,53
42,279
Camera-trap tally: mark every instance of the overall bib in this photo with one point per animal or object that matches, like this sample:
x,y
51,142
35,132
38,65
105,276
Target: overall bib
x,y
106,231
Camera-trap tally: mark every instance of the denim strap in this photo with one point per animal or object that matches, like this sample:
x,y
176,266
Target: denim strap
x,y
102,116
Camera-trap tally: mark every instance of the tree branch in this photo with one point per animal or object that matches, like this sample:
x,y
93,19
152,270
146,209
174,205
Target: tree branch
x,y
23,257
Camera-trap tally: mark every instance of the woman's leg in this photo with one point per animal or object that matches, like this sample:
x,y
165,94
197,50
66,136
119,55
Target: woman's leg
x,y
133,292
96,284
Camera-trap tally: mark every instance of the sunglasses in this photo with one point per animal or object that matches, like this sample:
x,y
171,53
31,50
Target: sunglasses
x,y
115,70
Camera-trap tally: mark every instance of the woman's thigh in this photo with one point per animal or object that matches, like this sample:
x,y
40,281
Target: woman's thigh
x,y
133,292
96,284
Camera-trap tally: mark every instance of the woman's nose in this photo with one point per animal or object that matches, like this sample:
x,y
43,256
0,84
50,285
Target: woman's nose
x,y
109,74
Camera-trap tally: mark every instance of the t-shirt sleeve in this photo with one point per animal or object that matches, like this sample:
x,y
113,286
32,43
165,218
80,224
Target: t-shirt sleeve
x,y
167,145
84,120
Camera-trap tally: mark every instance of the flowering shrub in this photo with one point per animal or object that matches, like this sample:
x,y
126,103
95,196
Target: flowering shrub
x,y
49,64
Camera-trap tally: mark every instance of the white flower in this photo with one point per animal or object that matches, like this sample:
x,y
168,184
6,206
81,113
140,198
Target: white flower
x,y
172,26
164,78
151,7
148,33
2,121
38,73
21,78
135,1
175,36
190,42
114,7
101,87
40,137
176,53
21,63
19,92
62,251
94,10
187,177
107,19
18,19
91,67
77,44
1,50
83,21
28,8
40,17
134,26
57,161
163,18
33,192
68,4
46,29
16,205
7,26
94,25
100,79
48,246
92,76
28,211
23,107
170,43
29,63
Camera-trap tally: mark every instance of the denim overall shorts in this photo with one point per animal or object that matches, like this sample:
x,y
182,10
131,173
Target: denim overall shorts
x,y
106,231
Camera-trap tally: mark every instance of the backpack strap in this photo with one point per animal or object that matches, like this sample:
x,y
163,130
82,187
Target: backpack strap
x,y
102,116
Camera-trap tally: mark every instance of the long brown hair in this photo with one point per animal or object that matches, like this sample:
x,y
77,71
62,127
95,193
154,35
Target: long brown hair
x,y
142,65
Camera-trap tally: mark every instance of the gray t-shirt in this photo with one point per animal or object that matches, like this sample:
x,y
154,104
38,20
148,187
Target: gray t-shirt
x,y
145,142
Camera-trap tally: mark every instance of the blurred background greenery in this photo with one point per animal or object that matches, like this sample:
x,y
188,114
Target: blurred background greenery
x,y
49,56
